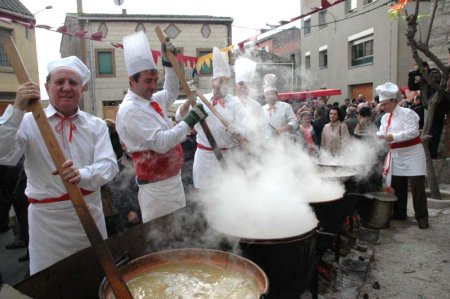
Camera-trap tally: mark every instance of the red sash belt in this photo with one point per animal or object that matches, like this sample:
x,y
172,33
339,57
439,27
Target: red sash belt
x,y
56,199
406,143
151,166
208,148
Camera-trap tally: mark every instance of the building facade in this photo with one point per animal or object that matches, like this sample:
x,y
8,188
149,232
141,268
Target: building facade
x,y
194,36
354,46
15,21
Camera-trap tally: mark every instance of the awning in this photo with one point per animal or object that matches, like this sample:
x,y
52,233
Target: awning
x,y
301,95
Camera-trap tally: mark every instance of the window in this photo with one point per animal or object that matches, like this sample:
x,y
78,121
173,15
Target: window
x,y
172,31
322,19
205,69
365,2
307,26
350,6
323,58
206,31
307,60
105,63
362,51
4,60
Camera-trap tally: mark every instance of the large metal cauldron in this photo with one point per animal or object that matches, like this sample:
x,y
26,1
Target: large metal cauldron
x,y
331,212
288,262
197,256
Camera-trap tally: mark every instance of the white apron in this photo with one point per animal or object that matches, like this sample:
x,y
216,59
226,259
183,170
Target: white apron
x,y
161,198
206,167
56,231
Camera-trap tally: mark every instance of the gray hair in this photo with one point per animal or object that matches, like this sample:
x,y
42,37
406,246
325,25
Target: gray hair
x,y
350,110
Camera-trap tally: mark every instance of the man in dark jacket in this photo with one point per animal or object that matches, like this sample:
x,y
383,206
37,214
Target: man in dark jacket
x,y
417,82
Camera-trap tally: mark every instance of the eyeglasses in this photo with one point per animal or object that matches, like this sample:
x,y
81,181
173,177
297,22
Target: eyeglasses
x,y
385,103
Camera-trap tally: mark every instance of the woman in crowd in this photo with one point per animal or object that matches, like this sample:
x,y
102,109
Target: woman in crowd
x,y
306,133
334,134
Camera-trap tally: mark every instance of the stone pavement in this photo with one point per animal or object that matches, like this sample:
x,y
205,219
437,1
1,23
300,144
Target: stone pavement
x,y
11,269
398,262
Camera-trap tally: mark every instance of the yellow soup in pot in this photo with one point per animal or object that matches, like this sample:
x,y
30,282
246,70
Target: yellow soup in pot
x,y
192,280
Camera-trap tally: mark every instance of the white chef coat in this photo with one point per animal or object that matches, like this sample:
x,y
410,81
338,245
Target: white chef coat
x,y
54,228
142,128
406,161
280,115
206,165
254,123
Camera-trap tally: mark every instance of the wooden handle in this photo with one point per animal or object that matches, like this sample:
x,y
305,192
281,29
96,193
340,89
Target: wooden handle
x,y
213,110
104,255
191,97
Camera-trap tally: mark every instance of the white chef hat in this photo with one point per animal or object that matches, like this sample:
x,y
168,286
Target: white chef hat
x,y
73,63
387,91
244,70
138,54
221,68
270,83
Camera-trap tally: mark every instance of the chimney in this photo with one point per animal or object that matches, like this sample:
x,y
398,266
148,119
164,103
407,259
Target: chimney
x,y
124,11
79,6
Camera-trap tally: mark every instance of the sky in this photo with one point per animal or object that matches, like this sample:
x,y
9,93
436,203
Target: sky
x,y
248,15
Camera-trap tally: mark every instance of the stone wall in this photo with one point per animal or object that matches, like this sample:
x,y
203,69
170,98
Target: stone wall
x,y
440,35
442,170
440,46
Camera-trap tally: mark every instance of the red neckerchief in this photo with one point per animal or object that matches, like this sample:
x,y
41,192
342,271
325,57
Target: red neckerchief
x,y
389,121
59,128
157,108
387,166
218,101
273,107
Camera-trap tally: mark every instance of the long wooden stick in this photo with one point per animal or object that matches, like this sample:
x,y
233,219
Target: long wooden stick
x,y
104,255
191,97
213,110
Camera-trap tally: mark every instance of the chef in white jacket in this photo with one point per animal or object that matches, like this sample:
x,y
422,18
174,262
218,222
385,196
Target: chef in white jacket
x,y
54,227
281,116
254,123
149,134
206,166
406,157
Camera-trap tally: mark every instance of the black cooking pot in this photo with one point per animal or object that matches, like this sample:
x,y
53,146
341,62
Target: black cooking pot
x,y
331,214
287,262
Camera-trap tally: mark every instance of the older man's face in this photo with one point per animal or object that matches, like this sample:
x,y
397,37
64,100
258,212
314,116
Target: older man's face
x,y
221,86
271,97
241,89
64,90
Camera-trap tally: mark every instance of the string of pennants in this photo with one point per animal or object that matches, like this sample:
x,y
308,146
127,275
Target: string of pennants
x,y
196,62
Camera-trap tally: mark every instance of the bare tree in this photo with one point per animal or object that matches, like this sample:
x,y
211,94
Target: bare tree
x,y
441,94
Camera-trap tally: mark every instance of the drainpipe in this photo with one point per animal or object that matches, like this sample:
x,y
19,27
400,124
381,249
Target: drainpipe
x,y
93,73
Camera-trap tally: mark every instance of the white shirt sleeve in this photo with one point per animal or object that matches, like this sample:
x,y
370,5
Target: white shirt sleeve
x,y
141,131
408,121
291,118
104,165
12,139
171,87
382,130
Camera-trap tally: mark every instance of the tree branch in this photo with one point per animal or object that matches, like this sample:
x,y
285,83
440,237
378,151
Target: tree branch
x,y
430,23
